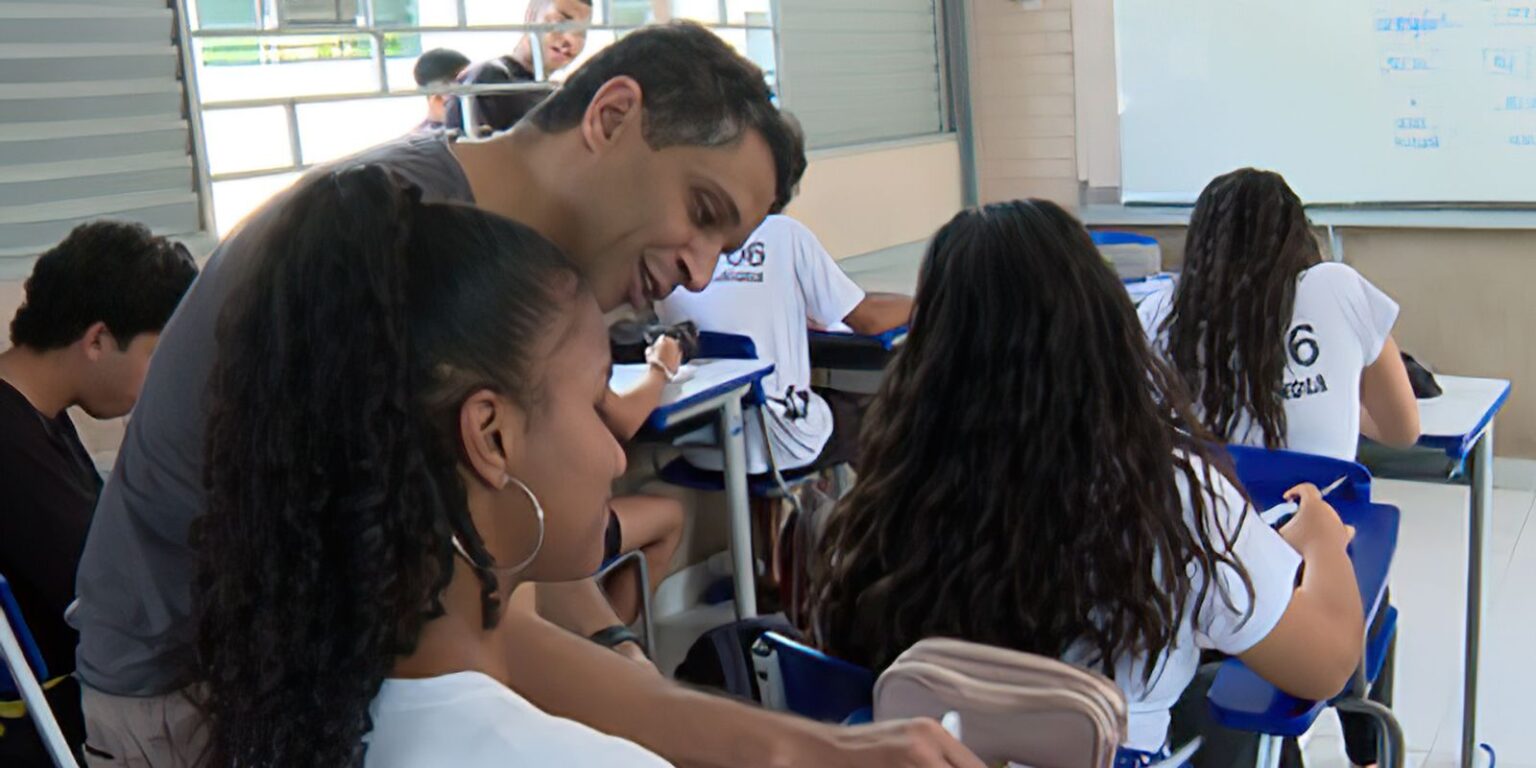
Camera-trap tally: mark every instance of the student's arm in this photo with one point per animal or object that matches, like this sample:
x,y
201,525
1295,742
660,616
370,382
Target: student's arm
x,y
579,606
879,312
1389,412
626,412
571,677
1314,649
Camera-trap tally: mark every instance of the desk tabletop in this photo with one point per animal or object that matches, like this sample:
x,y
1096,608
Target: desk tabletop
x,y
1455,420
1245,701
839,334
700,383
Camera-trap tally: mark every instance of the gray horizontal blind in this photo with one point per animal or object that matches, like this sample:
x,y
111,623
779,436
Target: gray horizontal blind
x,y
91,123
856,71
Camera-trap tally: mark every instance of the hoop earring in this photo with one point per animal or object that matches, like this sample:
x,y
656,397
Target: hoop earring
x,y
538,514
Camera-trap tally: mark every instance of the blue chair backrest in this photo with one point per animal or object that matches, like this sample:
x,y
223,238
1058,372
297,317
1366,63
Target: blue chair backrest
x,y
818,686
729,346
1121,238
24,636
1269,474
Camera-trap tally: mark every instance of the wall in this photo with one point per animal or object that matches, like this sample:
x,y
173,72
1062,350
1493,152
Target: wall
x,y
1041,85
1023,100
864,199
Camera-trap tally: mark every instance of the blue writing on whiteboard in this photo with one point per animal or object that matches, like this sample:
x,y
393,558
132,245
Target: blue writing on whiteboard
x,y
1519,103
1414,24
1417,142
1407,64
1523,140
1412,123
1507,61
1515,15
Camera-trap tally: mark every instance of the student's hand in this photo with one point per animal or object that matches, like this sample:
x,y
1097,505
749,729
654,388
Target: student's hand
x,y
666,352
919,743
1316,523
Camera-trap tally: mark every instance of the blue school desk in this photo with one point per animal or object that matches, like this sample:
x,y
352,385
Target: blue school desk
x,y
1244,701
848,362
1141,287
1460,423
713,387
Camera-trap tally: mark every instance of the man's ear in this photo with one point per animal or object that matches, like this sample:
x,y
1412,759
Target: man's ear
x,y
614,109
490,434
95,340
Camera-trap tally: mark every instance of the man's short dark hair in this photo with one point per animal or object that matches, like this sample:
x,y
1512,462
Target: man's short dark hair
x,y
697,91
439,65
113,272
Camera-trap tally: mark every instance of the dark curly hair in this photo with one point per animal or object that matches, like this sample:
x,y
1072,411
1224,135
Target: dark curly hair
x,y
697,91
332,452
112,272
1020,479
1249,240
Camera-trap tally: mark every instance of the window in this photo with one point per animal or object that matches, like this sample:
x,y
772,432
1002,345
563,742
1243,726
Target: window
x,y
284,85
318,11
857,71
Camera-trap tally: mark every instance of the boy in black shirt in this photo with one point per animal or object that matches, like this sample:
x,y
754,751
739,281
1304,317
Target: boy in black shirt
x,y
93,312
498,112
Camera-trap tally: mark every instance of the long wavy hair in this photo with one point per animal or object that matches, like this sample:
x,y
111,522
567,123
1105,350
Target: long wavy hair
x,y
1019,480
332,446
1249,240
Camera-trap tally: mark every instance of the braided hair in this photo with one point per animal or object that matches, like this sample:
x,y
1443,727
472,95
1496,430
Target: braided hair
x,y
1249,240
333,496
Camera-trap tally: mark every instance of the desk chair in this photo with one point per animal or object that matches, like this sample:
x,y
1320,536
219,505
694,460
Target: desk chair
x,y
24,661
793,677
1269,474
776,484
636,558
1244,701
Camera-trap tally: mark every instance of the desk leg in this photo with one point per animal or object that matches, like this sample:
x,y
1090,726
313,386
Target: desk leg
x,y
1481,473
742,565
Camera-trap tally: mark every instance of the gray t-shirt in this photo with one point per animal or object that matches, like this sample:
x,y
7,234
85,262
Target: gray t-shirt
x,y
134,587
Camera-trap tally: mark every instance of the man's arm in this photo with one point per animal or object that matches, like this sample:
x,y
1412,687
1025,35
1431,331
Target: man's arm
x,y
571,677
879,312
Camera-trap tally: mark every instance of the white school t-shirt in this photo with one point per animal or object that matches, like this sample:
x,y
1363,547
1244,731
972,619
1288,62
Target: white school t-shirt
x,y
1338,327
469,720
780,280
1271,565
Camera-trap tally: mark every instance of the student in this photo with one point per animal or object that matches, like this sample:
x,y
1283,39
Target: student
x,y
612,169
651,524
465,454
1313,363
1313,367
91,317
780,280
1032,478
439,66
498,112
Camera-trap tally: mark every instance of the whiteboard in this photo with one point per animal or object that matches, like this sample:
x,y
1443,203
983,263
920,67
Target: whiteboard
x,y
1354,101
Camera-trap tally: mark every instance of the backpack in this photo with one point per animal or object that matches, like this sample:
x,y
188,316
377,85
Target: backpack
x,y
721,659
1015,707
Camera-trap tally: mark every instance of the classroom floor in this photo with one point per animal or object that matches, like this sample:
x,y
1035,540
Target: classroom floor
x,y
1429,589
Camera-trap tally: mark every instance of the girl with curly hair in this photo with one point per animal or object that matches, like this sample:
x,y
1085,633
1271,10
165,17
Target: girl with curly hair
x,y
404,428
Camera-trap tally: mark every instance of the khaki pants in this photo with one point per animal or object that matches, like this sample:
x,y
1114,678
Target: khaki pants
x,y
142,732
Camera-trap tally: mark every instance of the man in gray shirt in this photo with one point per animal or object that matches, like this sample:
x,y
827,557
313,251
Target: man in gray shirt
x,y
658,155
